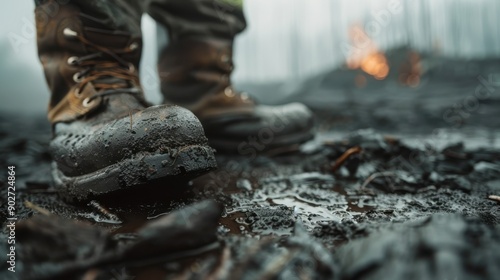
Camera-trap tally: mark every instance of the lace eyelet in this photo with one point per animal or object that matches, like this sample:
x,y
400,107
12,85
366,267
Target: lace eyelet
x,y
133,46
77,78
244,96
229,92
68,32
87,102
77,93
73,60
131,68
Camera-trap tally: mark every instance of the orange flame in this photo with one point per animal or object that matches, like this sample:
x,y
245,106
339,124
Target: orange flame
x,y
365,55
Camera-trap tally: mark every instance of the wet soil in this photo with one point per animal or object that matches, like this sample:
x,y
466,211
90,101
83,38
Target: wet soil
x,y
412,204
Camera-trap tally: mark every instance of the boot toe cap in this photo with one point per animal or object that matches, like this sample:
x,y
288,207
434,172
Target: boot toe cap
x,y
79,148
266,128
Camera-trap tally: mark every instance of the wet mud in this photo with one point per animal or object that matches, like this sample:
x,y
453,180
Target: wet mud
x,y
403,207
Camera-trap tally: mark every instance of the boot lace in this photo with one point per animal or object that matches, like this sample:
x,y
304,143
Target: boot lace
x,y
105,69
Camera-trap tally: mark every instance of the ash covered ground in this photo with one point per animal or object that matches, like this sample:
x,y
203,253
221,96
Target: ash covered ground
x,y
411,200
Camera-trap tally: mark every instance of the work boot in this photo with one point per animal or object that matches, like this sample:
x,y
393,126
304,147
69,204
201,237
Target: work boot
x,y
195,74
106,138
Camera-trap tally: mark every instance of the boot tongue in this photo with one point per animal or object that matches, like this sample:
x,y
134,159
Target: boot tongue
x,y
119,83
118,106
124,102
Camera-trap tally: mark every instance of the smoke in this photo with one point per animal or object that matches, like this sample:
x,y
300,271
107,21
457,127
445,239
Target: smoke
x,y
286,40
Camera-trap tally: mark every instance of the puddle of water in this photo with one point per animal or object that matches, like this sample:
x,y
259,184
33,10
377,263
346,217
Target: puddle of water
x,y
236,223
308,213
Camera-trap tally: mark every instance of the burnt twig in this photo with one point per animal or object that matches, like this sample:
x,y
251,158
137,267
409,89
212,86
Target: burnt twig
x,y
104,211
37,208
340,161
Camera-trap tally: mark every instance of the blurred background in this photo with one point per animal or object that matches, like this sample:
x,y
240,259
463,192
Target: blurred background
x,y
317,52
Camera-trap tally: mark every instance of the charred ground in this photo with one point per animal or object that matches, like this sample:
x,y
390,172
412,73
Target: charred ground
x,y
414,203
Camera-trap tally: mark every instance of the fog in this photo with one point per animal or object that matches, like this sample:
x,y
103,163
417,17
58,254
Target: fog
x,y
286,40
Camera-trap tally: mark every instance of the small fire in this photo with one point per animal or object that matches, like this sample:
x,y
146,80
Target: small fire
x,y
365,55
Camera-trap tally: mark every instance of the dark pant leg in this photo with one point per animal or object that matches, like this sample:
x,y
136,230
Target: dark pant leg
x,y
218,19
123,15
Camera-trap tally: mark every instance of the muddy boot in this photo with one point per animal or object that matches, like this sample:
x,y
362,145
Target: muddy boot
x,y
106,137
196,73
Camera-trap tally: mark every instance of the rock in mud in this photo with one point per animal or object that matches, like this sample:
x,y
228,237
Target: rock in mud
x,y
186,230
438,247
51,247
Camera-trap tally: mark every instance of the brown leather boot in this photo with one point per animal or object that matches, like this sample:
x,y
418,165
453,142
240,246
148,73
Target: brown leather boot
x,y
106,138
195,74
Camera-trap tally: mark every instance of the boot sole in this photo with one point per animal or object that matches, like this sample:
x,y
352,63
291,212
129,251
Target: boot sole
x,y
243,147
138,172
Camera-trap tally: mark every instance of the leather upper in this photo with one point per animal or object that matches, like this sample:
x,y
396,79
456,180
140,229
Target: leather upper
x,y
59,40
